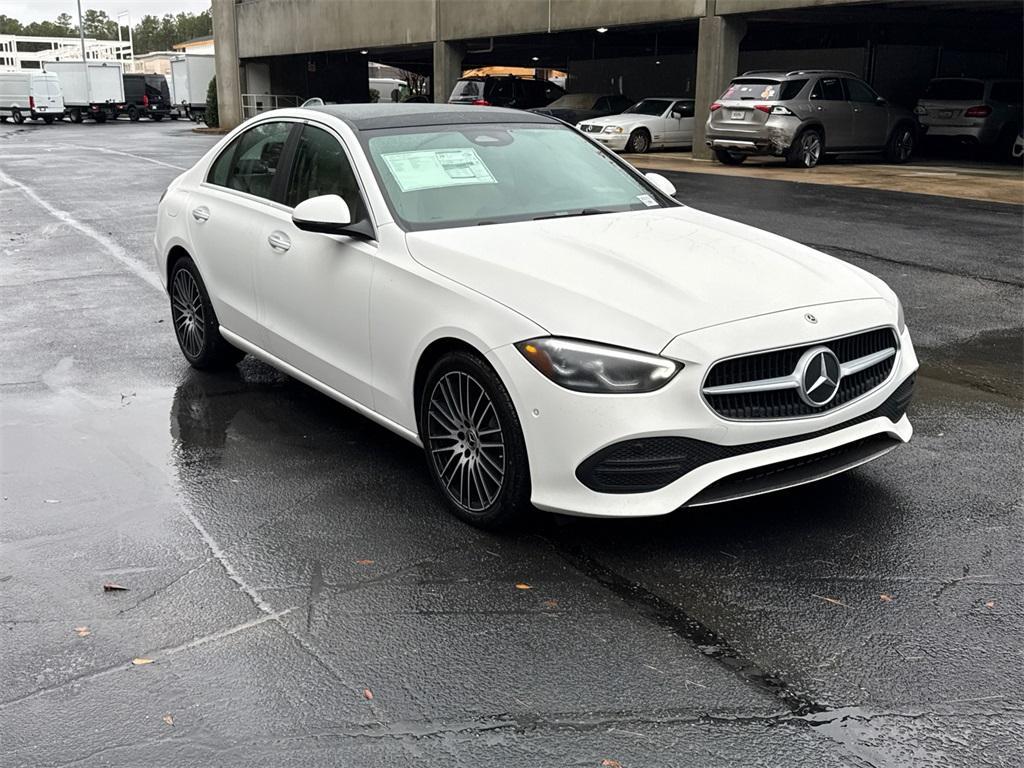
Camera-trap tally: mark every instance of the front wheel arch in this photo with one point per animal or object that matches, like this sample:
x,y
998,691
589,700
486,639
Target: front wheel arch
x,y
433,352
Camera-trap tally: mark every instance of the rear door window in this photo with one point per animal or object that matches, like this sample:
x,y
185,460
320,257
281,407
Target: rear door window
x,y
860,92
685,108
828,89
250,162
955,90
1007,92
467,89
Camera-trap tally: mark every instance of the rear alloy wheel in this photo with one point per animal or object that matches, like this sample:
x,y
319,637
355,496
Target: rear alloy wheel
x,y
195,322
473,441
76,116
133,114
806,151
17,117
901,145
725,157
639,142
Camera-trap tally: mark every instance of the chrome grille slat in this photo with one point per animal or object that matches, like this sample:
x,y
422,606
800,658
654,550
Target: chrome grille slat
x,y
867,360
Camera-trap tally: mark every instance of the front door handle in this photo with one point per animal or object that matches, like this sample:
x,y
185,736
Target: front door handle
x,y
202,213
279,241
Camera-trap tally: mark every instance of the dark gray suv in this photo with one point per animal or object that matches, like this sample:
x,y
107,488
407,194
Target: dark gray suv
x,y
805,115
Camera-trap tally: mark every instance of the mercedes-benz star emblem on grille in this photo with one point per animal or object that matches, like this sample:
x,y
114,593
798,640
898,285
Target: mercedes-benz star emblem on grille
x,y
820,373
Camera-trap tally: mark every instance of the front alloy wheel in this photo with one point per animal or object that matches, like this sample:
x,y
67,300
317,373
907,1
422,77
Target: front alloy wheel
x,y
473,441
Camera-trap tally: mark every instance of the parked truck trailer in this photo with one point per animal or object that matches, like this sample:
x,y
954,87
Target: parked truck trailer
x,y
95,90
190,78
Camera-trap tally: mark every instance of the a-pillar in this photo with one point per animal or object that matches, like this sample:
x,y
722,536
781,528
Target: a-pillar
x,y
229,93
718,53
447,68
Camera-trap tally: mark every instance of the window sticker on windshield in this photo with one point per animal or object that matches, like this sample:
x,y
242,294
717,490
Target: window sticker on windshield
x,y
647,200
436,168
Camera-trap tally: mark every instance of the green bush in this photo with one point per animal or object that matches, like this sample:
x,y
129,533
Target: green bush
x,y
212,116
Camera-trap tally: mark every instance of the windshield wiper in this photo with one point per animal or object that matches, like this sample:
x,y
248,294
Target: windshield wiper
x,y
581,212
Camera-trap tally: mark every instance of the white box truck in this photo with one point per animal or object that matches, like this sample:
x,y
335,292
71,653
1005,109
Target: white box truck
x,y
95,90
30,94
191,74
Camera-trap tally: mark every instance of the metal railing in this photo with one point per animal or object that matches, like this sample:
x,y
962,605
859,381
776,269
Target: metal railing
x,y
255,103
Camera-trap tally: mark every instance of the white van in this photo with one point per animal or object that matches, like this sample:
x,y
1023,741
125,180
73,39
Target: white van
x,y
388,89
30,94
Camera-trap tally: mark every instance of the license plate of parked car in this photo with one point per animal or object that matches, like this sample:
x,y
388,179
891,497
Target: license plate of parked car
x,y
738,114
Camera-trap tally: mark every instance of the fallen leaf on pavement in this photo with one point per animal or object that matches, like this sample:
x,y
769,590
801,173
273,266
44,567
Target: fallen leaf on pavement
x,y
550,603
82,631
520,585
990,604
168,719
885,598
607,763
111,587
367,694
364,562
138,662
833,600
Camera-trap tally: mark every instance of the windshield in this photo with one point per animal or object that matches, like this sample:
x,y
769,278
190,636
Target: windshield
x,y
955,90
575,101
648,107
457,176
468,89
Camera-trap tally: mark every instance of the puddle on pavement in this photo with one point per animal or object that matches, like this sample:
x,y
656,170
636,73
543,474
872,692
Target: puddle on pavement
x,y
988,367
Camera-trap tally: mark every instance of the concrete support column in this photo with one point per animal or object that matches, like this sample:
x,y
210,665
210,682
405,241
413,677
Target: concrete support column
x,y
229,94
718,53
447,68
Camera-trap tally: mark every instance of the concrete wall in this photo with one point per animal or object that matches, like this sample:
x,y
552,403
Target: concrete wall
x,y
299,26
851,59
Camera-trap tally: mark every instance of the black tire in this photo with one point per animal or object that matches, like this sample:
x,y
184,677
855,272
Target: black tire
x,y
725,157
901,144
3,118
158,118
76,115
639,142
195,323
17,117
473,441
49,119
1003,147
100,117
806,150
173,116
133,114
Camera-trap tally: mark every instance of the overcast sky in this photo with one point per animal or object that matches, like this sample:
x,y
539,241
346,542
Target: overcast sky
x,y
26,11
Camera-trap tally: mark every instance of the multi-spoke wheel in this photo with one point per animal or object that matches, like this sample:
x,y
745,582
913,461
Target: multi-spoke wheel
x,y
901,145
807,150
195,323
473,441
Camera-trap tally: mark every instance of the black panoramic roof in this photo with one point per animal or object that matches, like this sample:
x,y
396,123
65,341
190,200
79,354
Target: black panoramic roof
x,y
369,117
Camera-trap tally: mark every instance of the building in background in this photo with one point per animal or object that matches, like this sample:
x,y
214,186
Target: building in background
x,y
197,45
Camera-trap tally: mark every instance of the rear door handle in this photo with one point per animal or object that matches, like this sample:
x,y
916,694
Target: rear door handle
x,y
279,241
202,213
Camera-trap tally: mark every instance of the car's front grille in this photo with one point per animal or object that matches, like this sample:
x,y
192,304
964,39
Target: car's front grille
x,y
591,128
650,463
776,401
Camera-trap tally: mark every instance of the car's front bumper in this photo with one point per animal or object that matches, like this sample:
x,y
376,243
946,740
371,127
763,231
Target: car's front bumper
x,y
614,141
562,429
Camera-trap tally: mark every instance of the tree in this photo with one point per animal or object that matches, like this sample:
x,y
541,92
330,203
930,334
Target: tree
x,y
97,24
65,23
9,26
212,116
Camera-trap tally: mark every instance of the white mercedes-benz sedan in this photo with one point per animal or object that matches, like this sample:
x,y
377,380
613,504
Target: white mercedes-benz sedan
x,y
552,326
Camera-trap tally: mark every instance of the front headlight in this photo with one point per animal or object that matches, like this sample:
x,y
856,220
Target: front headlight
x,y
901,321
585,367
613,129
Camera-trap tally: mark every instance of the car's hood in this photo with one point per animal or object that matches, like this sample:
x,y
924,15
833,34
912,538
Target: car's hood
x,y
640,278
622,119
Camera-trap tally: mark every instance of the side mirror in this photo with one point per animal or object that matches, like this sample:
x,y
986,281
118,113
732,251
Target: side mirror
x,y
662,184
328,214
677,113
880,101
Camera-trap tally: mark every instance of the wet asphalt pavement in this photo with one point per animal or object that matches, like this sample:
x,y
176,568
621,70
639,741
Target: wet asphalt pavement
x,y
306,600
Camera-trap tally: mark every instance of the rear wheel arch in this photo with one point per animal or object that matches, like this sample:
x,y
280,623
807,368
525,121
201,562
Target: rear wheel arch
x,y
176,254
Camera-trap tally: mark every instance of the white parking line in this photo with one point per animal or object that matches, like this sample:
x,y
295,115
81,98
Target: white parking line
x,y
108,245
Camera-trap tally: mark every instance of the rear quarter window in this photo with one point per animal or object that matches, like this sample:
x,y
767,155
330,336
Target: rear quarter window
x,y
1007,92
791,89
